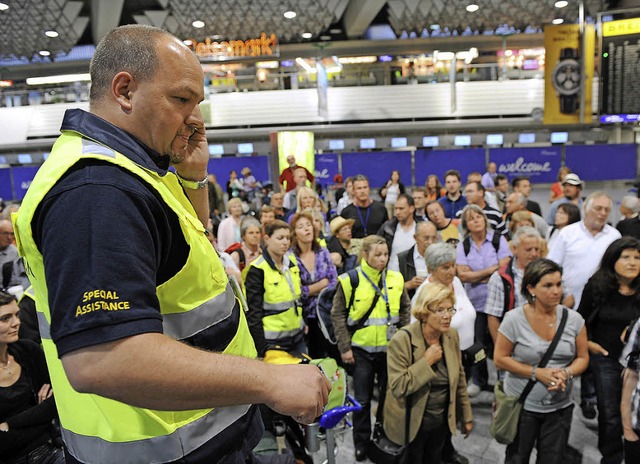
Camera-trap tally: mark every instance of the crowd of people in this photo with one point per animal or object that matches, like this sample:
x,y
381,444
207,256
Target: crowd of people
x,y
424,288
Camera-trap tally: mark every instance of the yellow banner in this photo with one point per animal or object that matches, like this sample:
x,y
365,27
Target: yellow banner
x,y
563,65
621,27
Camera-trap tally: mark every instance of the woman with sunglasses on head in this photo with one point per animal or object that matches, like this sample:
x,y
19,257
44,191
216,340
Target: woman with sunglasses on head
x,y
524,336
425,367
610,301
27,407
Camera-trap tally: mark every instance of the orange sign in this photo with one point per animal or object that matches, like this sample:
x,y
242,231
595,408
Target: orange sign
x,y
263,46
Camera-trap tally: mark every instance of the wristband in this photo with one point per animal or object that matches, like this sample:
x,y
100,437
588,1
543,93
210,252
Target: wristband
x,y
533,374
193,184
569,373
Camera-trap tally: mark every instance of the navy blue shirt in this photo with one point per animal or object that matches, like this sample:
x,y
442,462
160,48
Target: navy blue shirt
x,y
101,229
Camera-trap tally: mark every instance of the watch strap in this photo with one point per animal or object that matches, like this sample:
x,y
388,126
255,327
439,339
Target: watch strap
x,y
193,184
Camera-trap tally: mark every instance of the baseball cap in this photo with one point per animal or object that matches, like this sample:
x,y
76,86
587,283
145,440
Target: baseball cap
x,y
572,179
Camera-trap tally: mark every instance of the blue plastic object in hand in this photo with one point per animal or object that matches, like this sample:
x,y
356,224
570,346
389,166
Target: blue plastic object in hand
x,y
332,417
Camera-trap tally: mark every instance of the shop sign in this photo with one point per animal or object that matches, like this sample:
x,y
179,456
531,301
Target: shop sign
x,y
261,47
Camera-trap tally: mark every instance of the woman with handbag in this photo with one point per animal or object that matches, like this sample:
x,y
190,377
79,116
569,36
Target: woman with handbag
x,y
610,301
426,379
541,346
367,310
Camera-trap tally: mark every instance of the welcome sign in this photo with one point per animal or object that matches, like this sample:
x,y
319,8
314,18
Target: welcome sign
x,y
539,164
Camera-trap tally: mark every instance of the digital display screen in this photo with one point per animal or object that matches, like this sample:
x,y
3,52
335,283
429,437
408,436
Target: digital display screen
x,y
495,139
398,142
430,141
559,137
45,156
367,143
336,144
3,160
527,138
245,148
462,140
25,159
216,150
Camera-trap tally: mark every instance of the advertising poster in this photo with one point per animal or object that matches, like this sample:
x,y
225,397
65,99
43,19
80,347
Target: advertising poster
x,y
6,192
562,73
603,162
22,178
221,167
438,162
377,166
539,164
298,144
326,168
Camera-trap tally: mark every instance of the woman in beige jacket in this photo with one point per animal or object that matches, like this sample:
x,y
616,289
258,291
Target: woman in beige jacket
x,y
435,378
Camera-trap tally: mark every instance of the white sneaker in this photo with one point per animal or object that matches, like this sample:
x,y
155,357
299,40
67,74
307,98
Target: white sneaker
x,y
473,389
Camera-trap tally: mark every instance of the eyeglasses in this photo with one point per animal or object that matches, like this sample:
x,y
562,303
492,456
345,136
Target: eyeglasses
x,y
8,233
445,312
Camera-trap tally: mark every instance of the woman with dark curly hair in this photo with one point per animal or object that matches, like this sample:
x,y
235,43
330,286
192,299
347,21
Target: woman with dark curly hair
x,y
610,301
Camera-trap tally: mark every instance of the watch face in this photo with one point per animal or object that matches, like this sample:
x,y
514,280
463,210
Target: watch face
x,y
566,77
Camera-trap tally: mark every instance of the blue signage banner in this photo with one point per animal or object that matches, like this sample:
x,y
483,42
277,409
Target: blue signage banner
x,y
221,167
6,192
326,168
22,177
438,162
539,164
377,166
603,162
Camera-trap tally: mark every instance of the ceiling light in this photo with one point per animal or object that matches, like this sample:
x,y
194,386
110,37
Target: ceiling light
x,y
51,34
4,6
434,27
44,52
306,66
561,4
307,35
198,24
325,37
58,79
335,30
473,7
290,14
557,21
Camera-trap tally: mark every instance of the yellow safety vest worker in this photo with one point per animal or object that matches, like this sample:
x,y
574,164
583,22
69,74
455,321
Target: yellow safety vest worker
x,y
281,313
97,429
373,336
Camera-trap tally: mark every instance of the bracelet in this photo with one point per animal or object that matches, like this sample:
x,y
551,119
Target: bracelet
x,y
533,373
193,184
568,372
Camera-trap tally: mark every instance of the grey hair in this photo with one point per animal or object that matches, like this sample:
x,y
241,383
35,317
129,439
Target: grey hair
x,y
247,222
521,199
131,48
593,196
524,231
631,203
439,254
475,209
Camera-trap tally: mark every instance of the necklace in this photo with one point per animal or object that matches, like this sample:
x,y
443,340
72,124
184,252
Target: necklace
x,y
6,367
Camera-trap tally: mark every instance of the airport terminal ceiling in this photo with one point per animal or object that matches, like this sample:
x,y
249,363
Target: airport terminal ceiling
x,y
28,27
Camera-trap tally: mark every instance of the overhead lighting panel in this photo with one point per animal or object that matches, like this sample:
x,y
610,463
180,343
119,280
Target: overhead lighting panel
x,y
290,14
473,7
51,34
61,79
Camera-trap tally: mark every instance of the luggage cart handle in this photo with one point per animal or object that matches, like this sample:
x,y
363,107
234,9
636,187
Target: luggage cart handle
x,y
332,417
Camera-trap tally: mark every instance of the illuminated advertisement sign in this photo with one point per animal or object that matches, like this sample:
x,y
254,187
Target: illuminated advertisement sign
x,y
225,50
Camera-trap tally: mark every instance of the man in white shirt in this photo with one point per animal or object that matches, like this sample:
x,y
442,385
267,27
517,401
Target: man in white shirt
x,y
399,230
411,263
579,249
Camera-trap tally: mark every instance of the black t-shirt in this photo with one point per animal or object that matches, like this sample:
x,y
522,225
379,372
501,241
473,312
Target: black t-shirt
x,y
606,322
368,220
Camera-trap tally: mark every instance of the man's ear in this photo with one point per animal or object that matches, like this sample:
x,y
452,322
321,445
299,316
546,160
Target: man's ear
x,y
122,88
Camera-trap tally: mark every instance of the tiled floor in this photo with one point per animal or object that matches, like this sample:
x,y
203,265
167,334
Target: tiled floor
x,y
480,448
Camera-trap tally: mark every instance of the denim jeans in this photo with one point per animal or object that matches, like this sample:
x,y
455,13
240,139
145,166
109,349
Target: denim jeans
x,y
366,367
549,432
608,382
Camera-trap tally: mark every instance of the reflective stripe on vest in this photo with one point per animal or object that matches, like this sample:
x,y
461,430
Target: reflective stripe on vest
x,y
276,308
370,349
197,298
165,448
281,335
185,325
375,321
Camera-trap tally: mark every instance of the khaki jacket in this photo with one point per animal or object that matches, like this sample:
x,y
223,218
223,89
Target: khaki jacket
x,y
405,379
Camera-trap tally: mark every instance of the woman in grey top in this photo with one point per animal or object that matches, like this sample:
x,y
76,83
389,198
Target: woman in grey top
x,y
523,338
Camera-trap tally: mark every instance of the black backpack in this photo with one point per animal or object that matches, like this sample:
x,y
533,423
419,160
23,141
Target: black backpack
x,y
495,241
325,303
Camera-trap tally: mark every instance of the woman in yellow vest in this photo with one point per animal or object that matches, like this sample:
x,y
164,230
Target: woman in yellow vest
x,y
273,290
365,316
